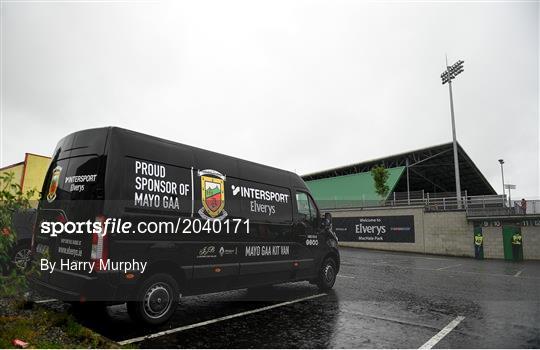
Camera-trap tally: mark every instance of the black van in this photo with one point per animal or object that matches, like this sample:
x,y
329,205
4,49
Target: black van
x,y
201,222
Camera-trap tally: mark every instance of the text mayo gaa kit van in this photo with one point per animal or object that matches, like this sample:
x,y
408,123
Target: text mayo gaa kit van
x,y
127,217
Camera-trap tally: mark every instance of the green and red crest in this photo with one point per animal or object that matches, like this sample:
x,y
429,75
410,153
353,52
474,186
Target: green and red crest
x,y
53,186
212,194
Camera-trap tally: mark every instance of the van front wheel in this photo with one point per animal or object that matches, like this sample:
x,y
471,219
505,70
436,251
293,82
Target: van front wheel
x,y
156,302
327,275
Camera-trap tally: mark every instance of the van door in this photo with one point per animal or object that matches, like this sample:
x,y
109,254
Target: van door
x,y
72,192
307,235
76,201
267,252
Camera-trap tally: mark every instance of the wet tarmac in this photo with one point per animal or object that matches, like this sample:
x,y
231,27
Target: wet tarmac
x,y
380,300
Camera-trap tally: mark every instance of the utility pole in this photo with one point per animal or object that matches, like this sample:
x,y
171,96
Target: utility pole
x,y
408,188
447,76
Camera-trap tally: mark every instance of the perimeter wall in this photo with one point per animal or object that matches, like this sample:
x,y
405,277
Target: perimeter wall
x,y
444,233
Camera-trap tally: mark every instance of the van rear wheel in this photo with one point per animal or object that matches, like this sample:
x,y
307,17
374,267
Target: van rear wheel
x,y
327,275
21,255
156,300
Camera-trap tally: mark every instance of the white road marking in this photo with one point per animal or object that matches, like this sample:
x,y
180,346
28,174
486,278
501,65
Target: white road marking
x,y
45,301
389,319
447,267
392,254
442,333
430,269
215,320
345,276
434,258
518,273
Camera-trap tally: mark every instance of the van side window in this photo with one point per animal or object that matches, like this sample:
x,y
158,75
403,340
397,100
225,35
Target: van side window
x,y
306,207
312,208
302,203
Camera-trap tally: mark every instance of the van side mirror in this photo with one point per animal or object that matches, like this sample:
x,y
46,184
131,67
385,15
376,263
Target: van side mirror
x,y
327,221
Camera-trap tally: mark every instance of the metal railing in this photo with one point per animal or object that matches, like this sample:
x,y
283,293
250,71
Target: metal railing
x,y
431,201
446,201
480,206
532,207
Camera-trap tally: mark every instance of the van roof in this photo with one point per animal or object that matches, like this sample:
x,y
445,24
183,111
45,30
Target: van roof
x,y
145,145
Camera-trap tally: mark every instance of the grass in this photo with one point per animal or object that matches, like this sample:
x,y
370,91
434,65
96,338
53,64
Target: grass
x,y
45,328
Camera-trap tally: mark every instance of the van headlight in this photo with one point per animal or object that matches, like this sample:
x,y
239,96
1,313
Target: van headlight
x,y
332,243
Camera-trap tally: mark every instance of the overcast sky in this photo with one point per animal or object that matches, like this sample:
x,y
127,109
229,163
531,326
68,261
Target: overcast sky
x,y
299,85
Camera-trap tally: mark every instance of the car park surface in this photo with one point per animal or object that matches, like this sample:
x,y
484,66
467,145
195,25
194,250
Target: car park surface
x,y
380,300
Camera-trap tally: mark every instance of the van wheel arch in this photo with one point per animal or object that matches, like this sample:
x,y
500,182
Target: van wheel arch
x,y
168,267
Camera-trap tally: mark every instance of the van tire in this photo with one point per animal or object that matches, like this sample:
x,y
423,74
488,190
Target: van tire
x,y
20,255
327,275
157,298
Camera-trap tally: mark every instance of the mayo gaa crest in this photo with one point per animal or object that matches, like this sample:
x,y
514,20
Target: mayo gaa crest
x,y
212,194
55,178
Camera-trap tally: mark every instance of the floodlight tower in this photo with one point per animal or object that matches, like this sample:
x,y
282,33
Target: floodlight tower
x,y
447,76
501,162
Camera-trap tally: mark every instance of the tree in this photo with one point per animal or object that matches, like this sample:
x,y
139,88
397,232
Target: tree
x,y
380,176
12,281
